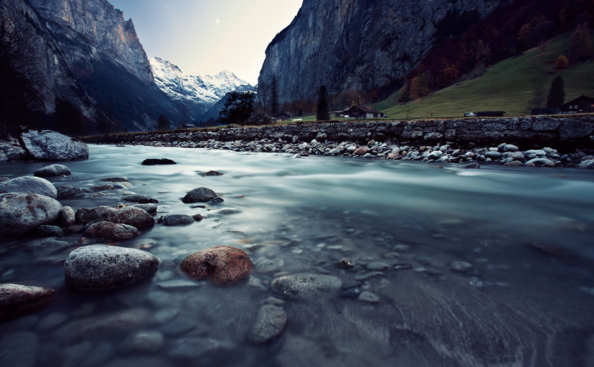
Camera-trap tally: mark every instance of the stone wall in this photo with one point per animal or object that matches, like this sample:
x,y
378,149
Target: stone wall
x,y
566,133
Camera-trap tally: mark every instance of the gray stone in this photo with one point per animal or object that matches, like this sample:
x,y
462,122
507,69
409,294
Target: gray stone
x,y
31,185
510,148
461,266
307,286
142,199
129,215
68,192
100,267
49,145
178,220
67,216
199,195
493,155
377,266
111,231
22,213
50,231
149,208
268,265
471,165
540,162
368,297
224,211
573,129
270,323
115,179
176,284
588,163
121,322
16,299
53,170
103,188
144,341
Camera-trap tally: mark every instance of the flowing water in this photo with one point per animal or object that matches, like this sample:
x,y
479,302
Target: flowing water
x,y
528,233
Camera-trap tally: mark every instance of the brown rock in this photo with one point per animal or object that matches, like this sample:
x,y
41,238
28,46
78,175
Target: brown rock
x,y
112,231
129,215
225,265
361,151
16,299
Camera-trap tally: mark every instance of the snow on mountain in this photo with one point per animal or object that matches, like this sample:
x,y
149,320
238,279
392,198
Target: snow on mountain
x,y
195,92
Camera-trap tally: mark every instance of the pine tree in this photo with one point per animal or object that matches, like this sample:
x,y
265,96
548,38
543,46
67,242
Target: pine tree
x,y
556,97
580,48
163,123
323,113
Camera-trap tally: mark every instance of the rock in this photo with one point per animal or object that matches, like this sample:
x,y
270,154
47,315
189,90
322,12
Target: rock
x,y
360,151
377,266
540,162
16,299
510,148
306,286
268,265
112,231
225,265
197,347
120,322
67,216
129,215
53,170
31,185
225,211
46,247
345,263
22,213
514,163
368,297
270,323
199,195
197,217
176,284
471,165
588,163
67,192
18,349
144,341
50,231
115,179
211,173
149,208
461,266
52,146
103,188
154,161
100,267
142,199
493,155
217,200
178,220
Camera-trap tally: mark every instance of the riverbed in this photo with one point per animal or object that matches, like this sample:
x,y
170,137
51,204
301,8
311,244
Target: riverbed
x,y
526,300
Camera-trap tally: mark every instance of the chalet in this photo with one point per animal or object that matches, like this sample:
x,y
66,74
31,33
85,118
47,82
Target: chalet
x,y
283,116
188,126
360,112
579,105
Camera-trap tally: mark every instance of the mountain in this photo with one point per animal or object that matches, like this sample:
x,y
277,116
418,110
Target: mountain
x,y
195,93
361,45
84,54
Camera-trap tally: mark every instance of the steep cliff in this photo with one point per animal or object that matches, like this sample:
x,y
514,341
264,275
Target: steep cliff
x,y
85,52
355,44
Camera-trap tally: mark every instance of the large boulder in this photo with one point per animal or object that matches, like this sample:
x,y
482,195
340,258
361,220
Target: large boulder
x,y
16,299
155,162
33,185
22,213
101,267
111,231
199,195
53,170
225,265
129,215
49,145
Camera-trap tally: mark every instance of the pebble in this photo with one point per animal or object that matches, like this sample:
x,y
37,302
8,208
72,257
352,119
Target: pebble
x,y
461,266
306,286
144,341
368,275
268,265
377,266
177,220
369,297
345,263
270,323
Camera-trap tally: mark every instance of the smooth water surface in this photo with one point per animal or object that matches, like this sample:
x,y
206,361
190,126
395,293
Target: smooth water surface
x,y
528,233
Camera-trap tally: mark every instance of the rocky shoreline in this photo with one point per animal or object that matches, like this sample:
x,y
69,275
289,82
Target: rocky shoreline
x,y
532,141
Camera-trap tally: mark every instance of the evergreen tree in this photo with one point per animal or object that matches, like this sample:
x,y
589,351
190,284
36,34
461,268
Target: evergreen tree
x,y
239,108
580,48
556,97
323,113
163,123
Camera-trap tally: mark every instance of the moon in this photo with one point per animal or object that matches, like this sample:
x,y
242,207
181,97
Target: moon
x,y
218,21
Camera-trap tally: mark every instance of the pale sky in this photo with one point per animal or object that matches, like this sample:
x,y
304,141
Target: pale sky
x,y
208,36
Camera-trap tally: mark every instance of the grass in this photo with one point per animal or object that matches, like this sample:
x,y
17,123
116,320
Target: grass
x,y
507,86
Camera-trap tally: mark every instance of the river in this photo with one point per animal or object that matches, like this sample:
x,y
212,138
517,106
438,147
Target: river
x,y
527,232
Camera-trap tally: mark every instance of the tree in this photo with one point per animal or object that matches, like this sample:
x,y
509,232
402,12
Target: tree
x,y
556,97
274,97
580,48
323,113
239,108
163,123
561,62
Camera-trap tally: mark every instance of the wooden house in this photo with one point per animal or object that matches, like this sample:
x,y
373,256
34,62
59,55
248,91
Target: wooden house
x,y
581,104
360,112
283,116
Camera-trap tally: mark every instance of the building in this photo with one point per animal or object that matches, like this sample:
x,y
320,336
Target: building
x,y
579,105
360,112
188,126
283,117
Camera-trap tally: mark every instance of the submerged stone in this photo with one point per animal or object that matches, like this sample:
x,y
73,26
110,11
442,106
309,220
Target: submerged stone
x,y
270,322
306,286
22,213
16,299
225,265
199,195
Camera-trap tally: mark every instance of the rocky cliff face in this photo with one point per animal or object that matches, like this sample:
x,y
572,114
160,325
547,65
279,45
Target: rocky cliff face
x,y
86,53
355,44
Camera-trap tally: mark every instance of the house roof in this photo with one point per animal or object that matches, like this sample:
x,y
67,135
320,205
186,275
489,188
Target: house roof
x,y
282,114
362,108
582,97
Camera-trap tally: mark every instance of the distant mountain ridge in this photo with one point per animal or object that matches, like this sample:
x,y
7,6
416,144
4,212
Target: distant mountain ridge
x,y
196,93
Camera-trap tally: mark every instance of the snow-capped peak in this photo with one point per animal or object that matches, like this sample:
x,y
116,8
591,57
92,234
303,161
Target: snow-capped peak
x,y
193,88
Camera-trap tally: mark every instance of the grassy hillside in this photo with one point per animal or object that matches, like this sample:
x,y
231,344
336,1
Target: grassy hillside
x,y
507,86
